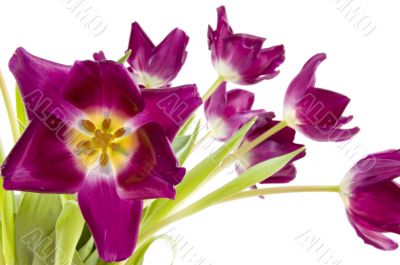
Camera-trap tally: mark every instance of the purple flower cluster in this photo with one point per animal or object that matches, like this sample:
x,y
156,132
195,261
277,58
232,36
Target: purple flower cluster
x,y
104,131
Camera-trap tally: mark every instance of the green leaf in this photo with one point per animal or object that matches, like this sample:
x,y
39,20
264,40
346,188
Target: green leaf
x,y
36,236
87,249
21,112
69,227
124,58
138,256
93,258
247,179
7,220
185,127
185,152
180,142
77,260
7,225
196,177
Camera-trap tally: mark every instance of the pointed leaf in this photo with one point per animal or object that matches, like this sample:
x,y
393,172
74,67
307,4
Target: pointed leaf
x,y
69,227
138,256
180,142
247,179
185,152
21,112
196,177
36,236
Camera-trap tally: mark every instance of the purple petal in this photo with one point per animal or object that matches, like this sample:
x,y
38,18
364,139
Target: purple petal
x,y
328,135
152,170
371,235
156,66
141,47
375,168
170,107
114,222
169,56
239,58
225,127
379,204
238,100
99,56
322,108
222,31
39,81
226,112
215,106
285,175
42,162
304,80
278,144
103,85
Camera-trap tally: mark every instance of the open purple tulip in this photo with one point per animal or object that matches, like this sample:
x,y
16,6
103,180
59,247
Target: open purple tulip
x,y
226,112
92,132
156,66
372,198
316,112
277,145
240,58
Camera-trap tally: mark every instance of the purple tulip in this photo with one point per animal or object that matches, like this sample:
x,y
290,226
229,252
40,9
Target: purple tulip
x,y
276,145
240,58
316,112
156,66
372,198
88,135
226,112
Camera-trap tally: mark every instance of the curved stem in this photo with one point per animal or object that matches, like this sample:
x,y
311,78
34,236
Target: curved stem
x,y
212,89
192,209
281,190
244,149
201,141
11,114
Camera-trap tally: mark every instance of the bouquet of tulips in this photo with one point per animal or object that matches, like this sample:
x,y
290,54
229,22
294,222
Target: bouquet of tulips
x,y
97,169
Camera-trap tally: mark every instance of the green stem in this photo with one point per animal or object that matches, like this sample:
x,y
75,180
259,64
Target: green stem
x,y
197,206
280,190
212,89
7,197
9,108
244,149
201,141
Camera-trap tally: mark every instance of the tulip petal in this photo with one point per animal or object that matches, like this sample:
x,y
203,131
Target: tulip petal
x,y
156,66
304,80
215,106
238,100
114,222
322,108
140,45
379,204
374,169
170,107
278,144
169,56
152,170
370,235
103,85
39,81
41,162
239,58
324,135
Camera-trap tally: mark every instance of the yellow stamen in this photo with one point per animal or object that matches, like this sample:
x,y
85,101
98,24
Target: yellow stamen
x,y
88,125
120,132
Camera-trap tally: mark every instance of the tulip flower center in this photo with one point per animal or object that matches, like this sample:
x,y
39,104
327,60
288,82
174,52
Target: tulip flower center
x,y
103,143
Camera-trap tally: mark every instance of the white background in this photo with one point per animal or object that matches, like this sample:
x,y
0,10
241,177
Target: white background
x,y
256,232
